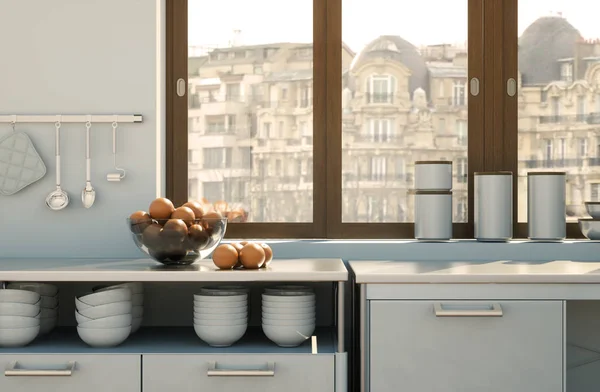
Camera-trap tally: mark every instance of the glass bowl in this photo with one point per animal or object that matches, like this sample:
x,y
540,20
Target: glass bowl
x,y
175,242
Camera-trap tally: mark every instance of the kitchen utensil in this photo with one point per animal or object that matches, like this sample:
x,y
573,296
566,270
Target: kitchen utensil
x,y
88,194
19,296
433,175
20,162
18,337
115,177
546,206
590,228
493,206
433,215
593,209
57,199
104,337
220,335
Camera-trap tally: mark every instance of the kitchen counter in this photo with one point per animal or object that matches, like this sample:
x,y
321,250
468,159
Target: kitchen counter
x,y
147,270
503,271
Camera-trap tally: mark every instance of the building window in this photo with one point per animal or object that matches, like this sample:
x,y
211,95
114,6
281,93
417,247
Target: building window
x,y
461,211
284,93
461,130
555,107
266,130
458,93
304,129
595,192
213,191
548,150
380,130
442,125
582,144
217,158
278,168
304,97
232,92
378,168
566,72
380,89
400,168
544,96
461,170
581,108
562,149
281,130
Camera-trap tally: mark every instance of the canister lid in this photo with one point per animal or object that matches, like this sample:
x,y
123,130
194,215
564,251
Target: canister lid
x,y
593,203
548,173
494,173
429,192
433,162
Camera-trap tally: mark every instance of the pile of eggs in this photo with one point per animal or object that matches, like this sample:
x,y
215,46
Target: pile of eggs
x,y
248,255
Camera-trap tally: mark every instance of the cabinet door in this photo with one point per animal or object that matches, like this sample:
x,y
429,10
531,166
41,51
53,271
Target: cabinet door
x,y
424,346
70,373
238,372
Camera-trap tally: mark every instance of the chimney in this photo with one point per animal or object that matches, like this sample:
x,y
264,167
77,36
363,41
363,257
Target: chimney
x,y
236,39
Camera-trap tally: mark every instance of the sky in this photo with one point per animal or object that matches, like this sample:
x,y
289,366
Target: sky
x,y
420,22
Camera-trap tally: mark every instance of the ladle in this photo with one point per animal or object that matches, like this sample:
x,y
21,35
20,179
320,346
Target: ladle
x,y
57,199
88,194
115,177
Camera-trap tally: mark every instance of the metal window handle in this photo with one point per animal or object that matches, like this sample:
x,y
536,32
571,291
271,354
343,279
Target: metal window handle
x,y
474,87
511,87
494,310
214,372
13,370
181,87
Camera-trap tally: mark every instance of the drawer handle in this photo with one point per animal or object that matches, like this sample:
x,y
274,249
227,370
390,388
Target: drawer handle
x,y
13,370
214,372
495,310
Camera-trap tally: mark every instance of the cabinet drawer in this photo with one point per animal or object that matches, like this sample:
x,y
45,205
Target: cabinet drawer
x,y
239,372
70,373
427,346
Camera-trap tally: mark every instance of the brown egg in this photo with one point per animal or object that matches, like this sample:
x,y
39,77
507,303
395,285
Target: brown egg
x,y
198,236
252,256
161,208
221,206
139,220
268,255
174,231
186,214
151,237
211,221
238,246
225,256
196,207
244,243
235,216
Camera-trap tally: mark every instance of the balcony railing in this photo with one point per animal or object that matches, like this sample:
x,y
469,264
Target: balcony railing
x,y
380,98
591,118
376,138
559,163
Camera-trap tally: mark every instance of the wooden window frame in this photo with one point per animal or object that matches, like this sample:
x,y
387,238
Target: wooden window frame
x,y
327,124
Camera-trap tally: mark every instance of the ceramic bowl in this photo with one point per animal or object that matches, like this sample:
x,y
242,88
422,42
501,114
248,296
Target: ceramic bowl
x,y
19,309
47,325
81,318
104,337
590,228
289,316
221,316
120,321
49,302
19,296
220,310
112,309
137,311
220,297
288,287
135,287
9,322
220,336
49,313
203,321
106,297
18,337
281,310
229,305
593,209
136,323
289,296
291,306
288,336
297,323
49,290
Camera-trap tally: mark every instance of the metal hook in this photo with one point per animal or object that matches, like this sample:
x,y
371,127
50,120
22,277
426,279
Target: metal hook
x,y
14,122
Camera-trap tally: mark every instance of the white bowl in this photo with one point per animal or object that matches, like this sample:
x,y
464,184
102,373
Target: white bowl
x,y
112,309
230,305
106,297
288,287
9,322
19,296
104,337
81,318
288,336
289,316
297,323
280,310
221,296
203,321
220,336
590,228
18,337
120,321
135,287
17,309
47,325
80,305
137,311
137,299
276,305
49,313
136,323
221,316
289,296
222,310
235,288
46,289
49,302
592,207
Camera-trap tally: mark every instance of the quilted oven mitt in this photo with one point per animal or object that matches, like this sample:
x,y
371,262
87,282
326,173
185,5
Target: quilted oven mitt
x,y
20,163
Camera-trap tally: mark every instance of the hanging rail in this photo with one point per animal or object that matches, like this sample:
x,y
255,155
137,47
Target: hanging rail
x,y
70,118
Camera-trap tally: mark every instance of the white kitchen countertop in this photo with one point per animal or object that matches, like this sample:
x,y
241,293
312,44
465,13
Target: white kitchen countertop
x,y
147,270
503,271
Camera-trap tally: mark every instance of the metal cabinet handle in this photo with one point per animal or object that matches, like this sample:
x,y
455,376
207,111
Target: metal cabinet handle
x,y
13,370
495,310
214,372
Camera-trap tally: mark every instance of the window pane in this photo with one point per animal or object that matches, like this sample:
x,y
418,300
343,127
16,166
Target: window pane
x,y
250,107
404,99
559,104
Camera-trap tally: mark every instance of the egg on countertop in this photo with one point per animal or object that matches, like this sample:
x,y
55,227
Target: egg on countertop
x,y
225,256
252,256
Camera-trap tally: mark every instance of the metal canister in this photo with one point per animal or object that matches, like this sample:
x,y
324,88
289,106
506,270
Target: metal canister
x,y
493,206
546,206
433,175
433,215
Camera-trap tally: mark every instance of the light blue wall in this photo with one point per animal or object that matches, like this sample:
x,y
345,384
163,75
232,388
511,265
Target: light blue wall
x,y
81,57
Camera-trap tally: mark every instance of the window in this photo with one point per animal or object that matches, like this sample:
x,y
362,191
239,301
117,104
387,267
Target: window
x,y
595,192
213,191
304,101
266,130
278,168
555,107
442,125
461,131
284,93
378,169
566,72
230,122
281,130
400,168
548,150
562,149
380,130
232,92
217,157
304,129
582,144
461,171
461,211
459,93
380,89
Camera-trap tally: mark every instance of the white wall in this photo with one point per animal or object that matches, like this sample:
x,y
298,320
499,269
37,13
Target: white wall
x,y
82,57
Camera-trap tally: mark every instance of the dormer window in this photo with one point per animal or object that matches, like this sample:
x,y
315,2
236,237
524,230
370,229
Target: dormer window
x,y
380,89
566,72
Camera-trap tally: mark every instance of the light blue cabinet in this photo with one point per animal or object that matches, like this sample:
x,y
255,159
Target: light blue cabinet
x,y
481,346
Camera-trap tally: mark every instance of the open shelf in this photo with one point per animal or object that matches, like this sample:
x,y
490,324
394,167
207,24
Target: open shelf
x,y
171,340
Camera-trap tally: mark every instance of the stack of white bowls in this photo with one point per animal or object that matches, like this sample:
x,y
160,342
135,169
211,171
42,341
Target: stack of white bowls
x,y
104,318
288,317
48,305
19,317
137,300
220,317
